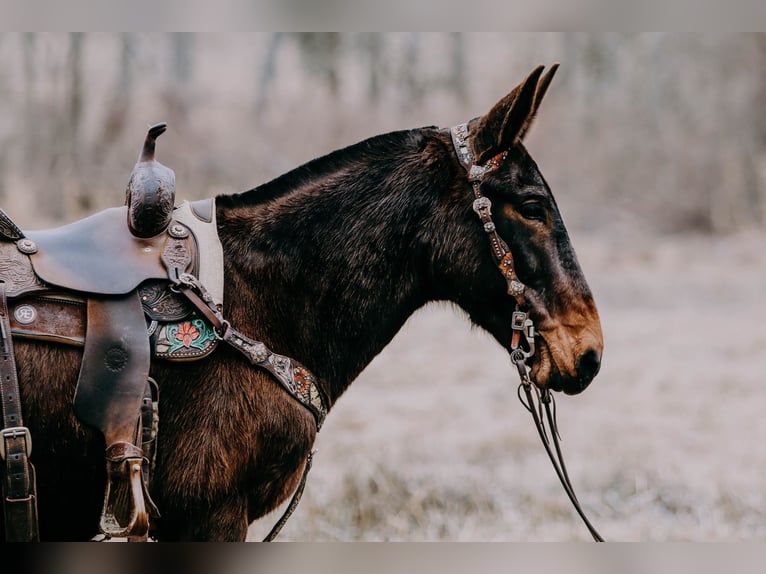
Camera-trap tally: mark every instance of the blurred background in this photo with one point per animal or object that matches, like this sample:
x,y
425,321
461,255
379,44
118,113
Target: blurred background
x,y
654,145
658,130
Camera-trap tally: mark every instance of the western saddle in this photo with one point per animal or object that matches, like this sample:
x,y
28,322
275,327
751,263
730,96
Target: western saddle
x,y
127,284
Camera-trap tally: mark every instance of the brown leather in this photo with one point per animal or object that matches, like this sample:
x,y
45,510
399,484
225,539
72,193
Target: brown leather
x,y
98,254
48,318
60,319
16,270
8,229
119,451
18,475
114,368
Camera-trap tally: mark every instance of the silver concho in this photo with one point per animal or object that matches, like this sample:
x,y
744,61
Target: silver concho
x,y
26,246
178,231
25,314
260,352
516,288
476,172
481,203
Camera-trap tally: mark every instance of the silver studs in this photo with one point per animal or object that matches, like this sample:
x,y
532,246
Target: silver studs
x,y
26,246
481,203
489,227
260,352
476,172
178,231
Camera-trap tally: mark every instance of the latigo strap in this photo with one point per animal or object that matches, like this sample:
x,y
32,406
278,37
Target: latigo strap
x,y
18,475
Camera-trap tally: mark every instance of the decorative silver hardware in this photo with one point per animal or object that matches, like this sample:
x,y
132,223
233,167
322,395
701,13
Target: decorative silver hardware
x,y
515,288
260,352
517,320
476,172
15,432
489,227
481,203
26,246
25,314
178,231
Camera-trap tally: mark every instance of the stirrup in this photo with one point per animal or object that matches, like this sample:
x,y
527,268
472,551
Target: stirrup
x,y
127,504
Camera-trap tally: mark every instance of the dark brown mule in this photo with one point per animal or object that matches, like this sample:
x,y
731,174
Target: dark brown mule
x,y
325,264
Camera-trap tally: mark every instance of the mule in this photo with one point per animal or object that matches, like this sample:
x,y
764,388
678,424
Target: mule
x,y
325,264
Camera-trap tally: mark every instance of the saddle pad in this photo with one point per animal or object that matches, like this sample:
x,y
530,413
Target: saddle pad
x,y
97,254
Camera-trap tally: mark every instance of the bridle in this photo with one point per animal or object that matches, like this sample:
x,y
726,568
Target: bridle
x,y
522,327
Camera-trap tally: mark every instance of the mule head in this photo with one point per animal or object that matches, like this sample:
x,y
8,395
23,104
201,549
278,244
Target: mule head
x,y
557,297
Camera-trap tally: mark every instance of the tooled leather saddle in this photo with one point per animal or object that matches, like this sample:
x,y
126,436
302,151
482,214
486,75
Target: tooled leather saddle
x,y
128,285
104,284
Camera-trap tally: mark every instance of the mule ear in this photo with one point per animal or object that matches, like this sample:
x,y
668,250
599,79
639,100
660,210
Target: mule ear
x,y
542,87
500,127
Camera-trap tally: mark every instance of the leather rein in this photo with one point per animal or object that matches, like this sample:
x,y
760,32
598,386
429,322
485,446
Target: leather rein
x,y
522,344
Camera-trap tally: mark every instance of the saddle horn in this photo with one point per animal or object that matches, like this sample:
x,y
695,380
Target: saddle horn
x,y
151,191
147,154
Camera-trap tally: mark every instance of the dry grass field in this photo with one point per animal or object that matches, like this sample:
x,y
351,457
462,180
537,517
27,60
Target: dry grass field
x,y
431,443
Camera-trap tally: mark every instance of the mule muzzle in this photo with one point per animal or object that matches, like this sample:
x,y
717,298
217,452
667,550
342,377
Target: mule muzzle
x,y
548,374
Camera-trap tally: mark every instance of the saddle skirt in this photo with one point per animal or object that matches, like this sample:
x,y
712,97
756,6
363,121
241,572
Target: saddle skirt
x,y
51,274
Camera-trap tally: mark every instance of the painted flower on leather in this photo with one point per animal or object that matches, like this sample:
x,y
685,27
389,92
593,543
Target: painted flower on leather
x,y
187,334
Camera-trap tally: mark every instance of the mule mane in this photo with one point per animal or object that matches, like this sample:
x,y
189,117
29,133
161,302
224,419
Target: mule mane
x,y
383,146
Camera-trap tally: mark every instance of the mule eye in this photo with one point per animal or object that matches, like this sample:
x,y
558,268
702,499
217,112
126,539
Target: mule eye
x,y
532,210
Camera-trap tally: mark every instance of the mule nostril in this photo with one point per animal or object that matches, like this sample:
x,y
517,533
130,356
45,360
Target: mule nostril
x,y
588,365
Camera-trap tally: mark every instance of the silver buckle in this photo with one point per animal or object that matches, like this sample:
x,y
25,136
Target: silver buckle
x,y
481,204
15,432
517,320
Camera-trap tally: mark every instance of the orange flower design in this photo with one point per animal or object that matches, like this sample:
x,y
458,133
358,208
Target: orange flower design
x,y
301,379
187,334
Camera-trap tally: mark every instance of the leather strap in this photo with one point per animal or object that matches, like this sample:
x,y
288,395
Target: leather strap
x,y
8,229
18,474
296,379
545,398
481,205
275,530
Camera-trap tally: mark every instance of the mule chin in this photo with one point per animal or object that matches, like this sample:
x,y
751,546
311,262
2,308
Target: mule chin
x,y
545,373
567,385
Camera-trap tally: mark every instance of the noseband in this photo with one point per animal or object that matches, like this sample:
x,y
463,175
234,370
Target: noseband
x,y
521,324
